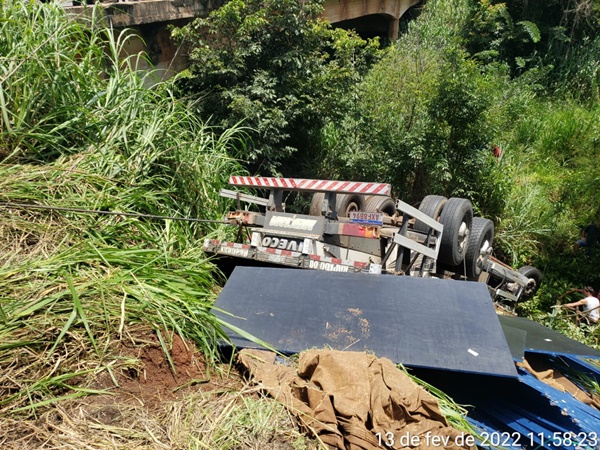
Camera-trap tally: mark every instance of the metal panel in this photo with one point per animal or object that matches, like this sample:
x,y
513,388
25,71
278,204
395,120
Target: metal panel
x,y
436,231
444,324
516,339
421,216
524,409
415,246
543,339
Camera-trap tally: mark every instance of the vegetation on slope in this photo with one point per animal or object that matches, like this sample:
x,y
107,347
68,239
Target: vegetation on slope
x,y
79,128
279,68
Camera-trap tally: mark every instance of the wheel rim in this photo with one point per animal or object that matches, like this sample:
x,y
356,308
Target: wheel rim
x,y
530,287
463,236
481,257
352,207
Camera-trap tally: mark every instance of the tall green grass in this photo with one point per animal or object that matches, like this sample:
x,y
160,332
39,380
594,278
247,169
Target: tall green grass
x,y
49,69
80,128
551,155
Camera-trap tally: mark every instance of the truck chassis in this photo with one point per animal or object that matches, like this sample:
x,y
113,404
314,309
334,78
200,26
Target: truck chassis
x,y
357,227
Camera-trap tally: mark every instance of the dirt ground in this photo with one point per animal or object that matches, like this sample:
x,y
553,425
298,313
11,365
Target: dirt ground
x,y
149,402
155,380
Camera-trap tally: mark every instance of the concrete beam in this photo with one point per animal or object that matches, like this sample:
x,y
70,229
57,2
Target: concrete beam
x,y
133,13
340,10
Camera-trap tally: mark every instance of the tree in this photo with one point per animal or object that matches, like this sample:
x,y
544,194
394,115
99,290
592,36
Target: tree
x,y
421,120
275,66
561,38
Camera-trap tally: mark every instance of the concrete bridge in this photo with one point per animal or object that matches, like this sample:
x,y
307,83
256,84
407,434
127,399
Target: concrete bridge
x,y
149,19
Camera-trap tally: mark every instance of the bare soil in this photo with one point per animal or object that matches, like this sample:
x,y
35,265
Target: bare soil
x,y
149,402
157,380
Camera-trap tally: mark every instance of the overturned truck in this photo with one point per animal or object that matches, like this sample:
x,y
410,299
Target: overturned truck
x,y
358,227
446,332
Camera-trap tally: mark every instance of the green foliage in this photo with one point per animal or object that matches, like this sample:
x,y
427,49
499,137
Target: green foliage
x,y
580,73
561,37
493,35
433,134
100,108
531,29
81,129
563,274
44,78
275,66
553,150
90,277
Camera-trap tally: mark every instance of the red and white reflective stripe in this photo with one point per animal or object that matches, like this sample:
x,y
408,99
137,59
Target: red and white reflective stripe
x,y
234,245
300,184
284,183
276,251
342,262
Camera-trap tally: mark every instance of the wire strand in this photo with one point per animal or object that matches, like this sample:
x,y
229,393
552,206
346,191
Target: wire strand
x,y
29,206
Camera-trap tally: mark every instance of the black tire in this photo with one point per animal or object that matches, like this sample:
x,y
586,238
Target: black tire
x,y
431,205
316,203
378,203
482,234
535,280
457,218
349,202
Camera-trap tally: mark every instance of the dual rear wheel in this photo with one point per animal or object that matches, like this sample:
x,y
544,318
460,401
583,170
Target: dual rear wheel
x,y
456,214
465,239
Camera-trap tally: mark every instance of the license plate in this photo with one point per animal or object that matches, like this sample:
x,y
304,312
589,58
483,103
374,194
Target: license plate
x,y
371,218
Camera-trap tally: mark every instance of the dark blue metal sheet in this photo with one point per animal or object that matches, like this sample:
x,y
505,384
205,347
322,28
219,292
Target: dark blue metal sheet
x,y
543,339
516,339
585,419
524,409
442,324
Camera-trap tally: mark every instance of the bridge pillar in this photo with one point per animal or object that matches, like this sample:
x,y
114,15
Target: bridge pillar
x,y
393,29
336,11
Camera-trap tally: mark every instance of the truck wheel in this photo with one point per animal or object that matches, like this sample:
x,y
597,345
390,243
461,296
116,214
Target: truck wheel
x,y
316,203
535,279
347,203
432,206
457,218
480,239
385,205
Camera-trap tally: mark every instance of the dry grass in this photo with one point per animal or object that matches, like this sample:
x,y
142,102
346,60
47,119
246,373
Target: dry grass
x,y
140,403
213,420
